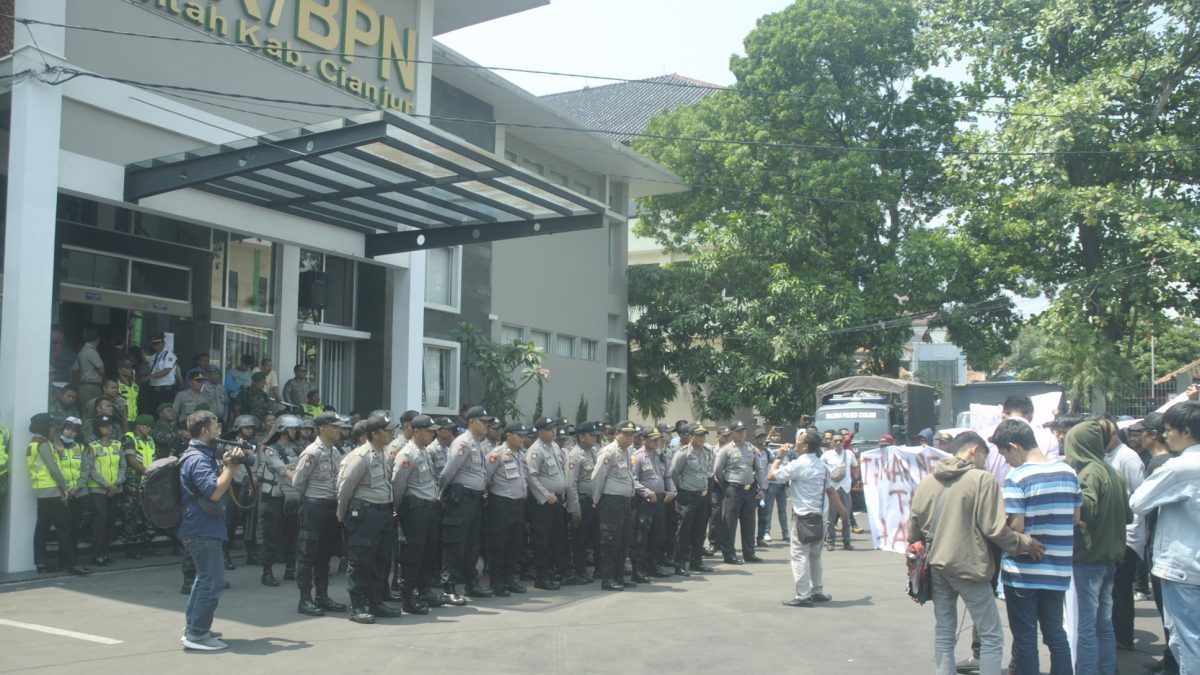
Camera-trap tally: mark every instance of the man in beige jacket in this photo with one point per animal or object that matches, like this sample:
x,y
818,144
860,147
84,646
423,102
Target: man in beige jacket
x,y
957,510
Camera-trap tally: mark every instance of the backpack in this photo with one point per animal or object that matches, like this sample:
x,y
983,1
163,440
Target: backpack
x,y
162,494
838,473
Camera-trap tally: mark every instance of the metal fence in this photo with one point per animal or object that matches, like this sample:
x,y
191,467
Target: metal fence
x,y
1142,398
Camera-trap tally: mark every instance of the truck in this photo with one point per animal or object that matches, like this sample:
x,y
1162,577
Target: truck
x,y
995,393
873,406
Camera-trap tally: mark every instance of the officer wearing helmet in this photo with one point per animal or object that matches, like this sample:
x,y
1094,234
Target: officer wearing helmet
x,y
280,505
245,428
315,479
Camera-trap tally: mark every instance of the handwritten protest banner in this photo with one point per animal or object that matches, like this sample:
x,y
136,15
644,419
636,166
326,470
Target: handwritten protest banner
x,y
890,475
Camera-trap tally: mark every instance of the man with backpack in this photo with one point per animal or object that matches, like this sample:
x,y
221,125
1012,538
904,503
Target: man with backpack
x,y
205,481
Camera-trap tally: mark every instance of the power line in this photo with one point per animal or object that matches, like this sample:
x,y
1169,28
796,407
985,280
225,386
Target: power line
x,y
533,71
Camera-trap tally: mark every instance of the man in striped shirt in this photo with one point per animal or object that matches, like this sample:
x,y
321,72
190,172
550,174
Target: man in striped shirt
x,y
1042,499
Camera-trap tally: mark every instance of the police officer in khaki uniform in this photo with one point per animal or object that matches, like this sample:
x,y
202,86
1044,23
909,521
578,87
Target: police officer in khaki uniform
x,y
612,489
461,484
415,494
691,468
364,506
655,492
736,471
279,508
580,506
547,514
319,536
508,485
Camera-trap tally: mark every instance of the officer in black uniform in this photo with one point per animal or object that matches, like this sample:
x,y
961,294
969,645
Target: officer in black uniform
x,y
319,536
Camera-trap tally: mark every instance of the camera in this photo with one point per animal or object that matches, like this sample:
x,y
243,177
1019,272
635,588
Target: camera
x,y
248,457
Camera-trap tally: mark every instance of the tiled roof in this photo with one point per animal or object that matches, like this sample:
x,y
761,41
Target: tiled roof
x,y
1192,369
625,108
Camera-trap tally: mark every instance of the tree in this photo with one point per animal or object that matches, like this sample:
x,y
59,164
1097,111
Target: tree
x,y
581,412
1084,179
814,243
506,369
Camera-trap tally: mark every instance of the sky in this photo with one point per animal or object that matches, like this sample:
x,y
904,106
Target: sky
x,y
616,38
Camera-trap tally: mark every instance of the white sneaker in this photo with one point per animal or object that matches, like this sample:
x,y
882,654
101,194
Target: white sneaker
x,y
205,644
767,538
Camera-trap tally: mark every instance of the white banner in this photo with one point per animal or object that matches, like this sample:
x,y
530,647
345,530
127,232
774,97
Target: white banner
x,y
890,475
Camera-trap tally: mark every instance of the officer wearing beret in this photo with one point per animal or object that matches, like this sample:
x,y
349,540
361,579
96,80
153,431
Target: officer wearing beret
x,y
547,515
612,489
655,491
736,471
319,535
364,506
508,485
580,506
461,485
691,469
415,494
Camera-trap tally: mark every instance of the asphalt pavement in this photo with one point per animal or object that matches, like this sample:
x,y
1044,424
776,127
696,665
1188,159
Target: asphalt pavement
x,y
129,619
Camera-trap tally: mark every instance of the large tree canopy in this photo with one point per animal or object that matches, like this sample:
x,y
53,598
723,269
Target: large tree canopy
x,y
811,229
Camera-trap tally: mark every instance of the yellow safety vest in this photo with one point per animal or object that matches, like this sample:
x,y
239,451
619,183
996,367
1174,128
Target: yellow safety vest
x,y
312,410
129,392
144,446
108,460
70,462
39,473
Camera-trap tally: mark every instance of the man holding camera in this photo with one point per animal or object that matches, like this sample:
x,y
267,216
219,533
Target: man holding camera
x,y
205,480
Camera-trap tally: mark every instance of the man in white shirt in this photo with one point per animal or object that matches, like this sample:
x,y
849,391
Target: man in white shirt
x,y
809,486
164,372
840,461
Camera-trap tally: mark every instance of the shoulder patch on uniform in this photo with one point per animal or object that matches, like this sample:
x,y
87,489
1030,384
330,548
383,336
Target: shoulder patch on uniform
x,y
462,451
308,461
404,465
607,460
571,465
270,452
492,459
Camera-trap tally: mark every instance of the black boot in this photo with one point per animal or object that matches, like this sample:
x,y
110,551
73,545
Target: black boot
x,y
513,585
612,585
327,604
289,574
268,577
361,614
385,611
546,584
450,596
187,587
308,607
474,590
413,605
639,578
430,599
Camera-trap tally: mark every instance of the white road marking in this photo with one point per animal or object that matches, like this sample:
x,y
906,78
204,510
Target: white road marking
x,y
60,631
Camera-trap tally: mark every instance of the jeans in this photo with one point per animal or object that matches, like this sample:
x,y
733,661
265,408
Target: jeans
x,y
777,501
1096,647
209,557
1122,596
1027,608
1179,607
806,564
981,605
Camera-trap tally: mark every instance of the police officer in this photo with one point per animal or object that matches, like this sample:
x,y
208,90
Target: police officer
x,y
508,485
736,471
364,507
461,485
139,451
612,489
278,519
691,468
580,506
448,430
547,515
128,390
315,479
414,494
666,453
105,483
253,400
654,493
716,519
401,439
55,473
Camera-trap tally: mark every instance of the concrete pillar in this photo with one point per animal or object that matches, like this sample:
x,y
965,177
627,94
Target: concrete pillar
x,y
33,152
287,307
407,331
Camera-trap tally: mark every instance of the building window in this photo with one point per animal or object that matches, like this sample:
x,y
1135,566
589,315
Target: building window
x,y
510,334
616,356
330,365
229,343
589,349
442,266
511,156
566,345
581,188
541,340
559,178
340,288
439,381
243,273
533,167
89,269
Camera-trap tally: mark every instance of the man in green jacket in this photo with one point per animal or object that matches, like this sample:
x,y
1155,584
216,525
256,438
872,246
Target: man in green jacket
x,y
1099,544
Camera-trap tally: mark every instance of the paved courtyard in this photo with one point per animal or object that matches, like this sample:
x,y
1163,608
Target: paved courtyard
x,y
129,620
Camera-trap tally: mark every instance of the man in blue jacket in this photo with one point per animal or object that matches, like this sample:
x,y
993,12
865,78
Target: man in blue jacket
x,y
205,481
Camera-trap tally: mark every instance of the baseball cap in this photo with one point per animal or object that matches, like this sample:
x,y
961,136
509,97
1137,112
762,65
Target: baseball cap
x,y
1151,422
124,363
478,412
158,337
326,419
943,435
760,432
626,425
378,423
737,426
408,416
516,428
652,432
588,428
424,422
886,439
196,374
697,428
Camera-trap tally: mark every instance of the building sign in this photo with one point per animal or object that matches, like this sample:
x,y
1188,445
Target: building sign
x,y
345,43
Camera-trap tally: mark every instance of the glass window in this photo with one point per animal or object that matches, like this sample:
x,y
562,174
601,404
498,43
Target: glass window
x,y
566,346
84,268
588,349
167,229
219,242
439,377
511,156
241,340
330,365
160,281
340,286
243,273
541,340
581,188
533,167
556,177
616,354
440,277
510,334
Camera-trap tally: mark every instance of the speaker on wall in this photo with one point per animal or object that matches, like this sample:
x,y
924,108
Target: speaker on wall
x,y
314,290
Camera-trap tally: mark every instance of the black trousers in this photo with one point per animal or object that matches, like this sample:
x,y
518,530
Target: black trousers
x,y
548,537
53,513
370,533
615,530
104,514
716,520
433,549
416,518
461,515
693,509
738,507
583,537
279,532
650,521
317,542
1122,596
505,526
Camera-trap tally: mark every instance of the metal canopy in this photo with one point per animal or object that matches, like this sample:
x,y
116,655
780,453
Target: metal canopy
x,y
405,184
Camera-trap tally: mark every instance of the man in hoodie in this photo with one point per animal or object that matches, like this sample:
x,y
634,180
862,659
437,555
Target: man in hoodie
x,y
957,510
1174,489
1099,544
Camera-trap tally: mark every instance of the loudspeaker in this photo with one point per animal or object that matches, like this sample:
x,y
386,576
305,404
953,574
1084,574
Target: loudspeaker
x,y
314,290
